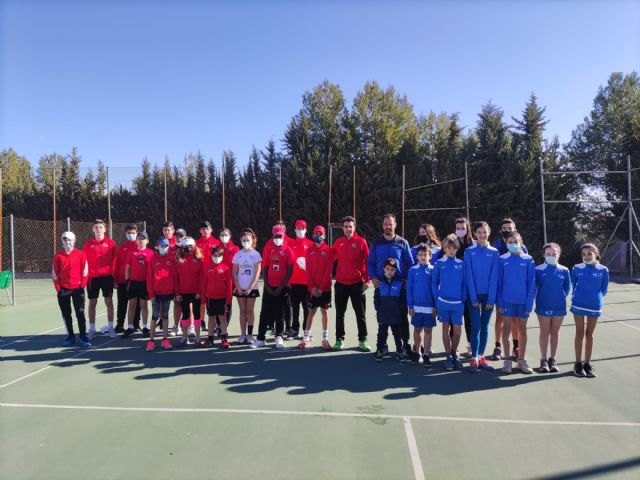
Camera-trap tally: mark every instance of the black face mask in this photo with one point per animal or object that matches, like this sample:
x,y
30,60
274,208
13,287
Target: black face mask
x,y
504,234
423,239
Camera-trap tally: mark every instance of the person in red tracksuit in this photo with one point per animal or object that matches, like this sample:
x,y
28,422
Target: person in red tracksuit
x,y
206,243
216,294
168,232
188,276
319,270
136,277
70,274
230,249
161,286
122,255
299,294
352,280
101,256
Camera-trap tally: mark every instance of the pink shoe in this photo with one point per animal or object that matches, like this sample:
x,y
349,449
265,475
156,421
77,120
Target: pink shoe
x,y
166,344
326,345
151,345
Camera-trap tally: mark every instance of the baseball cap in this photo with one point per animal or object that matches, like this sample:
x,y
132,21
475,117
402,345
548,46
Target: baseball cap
x,y
162,242
181,232
69,236
188,242
319,229
300,224
278,230
205,224
143,235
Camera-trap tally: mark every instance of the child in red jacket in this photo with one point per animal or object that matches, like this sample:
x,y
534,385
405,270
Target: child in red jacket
x,y
70,274
188,275
216,294
135,274
319,265
160,286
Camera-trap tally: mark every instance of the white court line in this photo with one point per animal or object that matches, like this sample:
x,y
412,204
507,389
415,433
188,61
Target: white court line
x,y
413,449
41,333
320,414
82,352
621,322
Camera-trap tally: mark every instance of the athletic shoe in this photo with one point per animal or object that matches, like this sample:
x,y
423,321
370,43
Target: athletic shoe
x,y
467,354
457,363
578,370
414,358
166,344
588,370
127,333
242,339
290,334
84,342
448,365
379,355
203,327
544,366
524,367
172,331
553,365
506,366
225,343
178,330
112,333
151,345
400,356
497,354
184,341
279,342
473,366
363,346
269,332
515,354
338,344
326,345
250,339
484,365
69,341
105,329
426,361
258,344
145,332
210,341
191,331
91,334
119,329
305,343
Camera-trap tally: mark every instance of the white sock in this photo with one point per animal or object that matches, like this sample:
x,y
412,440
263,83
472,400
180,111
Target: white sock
x,y
92,327
111,324
325,334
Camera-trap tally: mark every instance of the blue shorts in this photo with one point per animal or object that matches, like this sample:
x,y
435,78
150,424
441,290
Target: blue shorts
x,y
450,316
423,320
515,310
551,312
587,312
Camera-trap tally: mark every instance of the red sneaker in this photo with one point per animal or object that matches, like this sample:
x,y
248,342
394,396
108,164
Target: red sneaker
x,y
166,344
151,345
225,343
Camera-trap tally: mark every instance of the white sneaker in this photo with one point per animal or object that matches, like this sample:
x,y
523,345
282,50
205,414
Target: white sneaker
x,y
192,331
279,342
106,329
242,339
112,332
91,334
258,344
250,339
172,331
178,330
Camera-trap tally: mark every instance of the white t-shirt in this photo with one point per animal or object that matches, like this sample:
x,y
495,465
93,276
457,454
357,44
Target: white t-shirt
x,y
247,260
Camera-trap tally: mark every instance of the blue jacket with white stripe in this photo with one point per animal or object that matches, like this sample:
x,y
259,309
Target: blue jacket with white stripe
x,y
449,284
419,282
516,280
553,284
482,272
590,284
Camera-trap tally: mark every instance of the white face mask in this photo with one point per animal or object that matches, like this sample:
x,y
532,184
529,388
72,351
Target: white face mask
x,y
461,232
224,239
246,244
216,260
67,245
278,242
301,233
131,237
590,262
163,250
551,260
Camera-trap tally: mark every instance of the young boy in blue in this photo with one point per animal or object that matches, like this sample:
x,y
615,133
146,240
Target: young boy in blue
x,y
590,283
481,263
516,289
390,304
420,304
450,291
553,284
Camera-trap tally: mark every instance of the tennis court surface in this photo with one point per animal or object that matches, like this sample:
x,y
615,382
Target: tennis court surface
x,y
115,411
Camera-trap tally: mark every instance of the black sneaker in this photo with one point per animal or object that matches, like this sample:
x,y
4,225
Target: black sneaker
x,y
385,348
415,358
119,329
426,362
497,354
578,369
553,365
588,370
145,332
544,366
128,332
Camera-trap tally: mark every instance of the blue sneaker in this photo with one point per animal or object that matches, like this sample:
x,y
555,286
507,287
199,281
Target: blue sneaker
x,y
457,363
448,365
69,341
84,342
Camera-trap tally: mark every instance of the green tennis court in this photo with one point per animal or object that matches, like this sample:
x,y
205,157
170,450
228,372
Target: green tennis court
x,y
116,411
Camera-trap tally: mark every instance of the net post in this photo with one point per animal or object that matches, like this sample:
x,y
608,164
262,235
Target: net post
x,y
544,212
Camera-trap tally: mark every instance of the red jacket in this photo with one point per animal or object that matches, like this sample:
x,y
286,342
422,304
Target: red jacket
x,y
300,247
207,245
319,267
70,270
217,282
101,257
161,275
138,262
352,258
275,263
230,249
188,275
122,255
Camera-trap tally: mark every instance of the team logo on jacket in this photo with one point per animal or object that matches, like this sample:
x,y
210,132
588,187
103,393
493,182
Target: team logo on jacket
x,y
353,245
168,263
281,253
323,254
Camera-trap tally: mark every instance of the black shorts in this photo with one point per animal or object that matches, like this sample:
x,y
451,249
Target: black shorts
x,y
216,306
94,285
323,301
254,294
137,290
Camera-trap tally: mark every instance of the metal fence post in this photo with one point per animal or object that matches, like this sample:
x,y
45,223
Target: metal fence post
x,y
13,261
630,217
68,224
544,213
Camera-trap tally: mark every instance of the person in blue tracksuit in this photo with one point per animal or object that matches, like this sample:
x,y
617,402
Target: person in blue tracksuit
x,y
426,234
481,264
553,284
507,225
390,304
389,245
516,289
421,305
590,283
450,292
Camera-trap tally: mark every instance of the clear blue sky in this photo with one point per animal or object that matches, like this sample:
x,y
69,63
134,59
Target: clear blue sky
x,y
122,80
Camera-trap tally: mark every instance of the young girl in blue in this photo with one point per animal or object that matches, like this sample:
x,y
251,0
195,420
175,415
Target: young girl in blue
x,y
553,284
481,264
590,283
516,289
450,292
390,305
421,305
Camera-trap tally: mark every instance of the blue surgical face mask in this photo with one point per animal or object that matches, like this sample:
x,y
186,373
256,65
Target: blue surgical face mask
x,y
318,238
551,260
131,237
163,250
513,248
67,245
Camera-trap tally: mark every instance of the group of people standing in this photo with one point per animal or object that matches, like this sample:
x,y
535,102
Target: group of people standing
x,y
458,281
